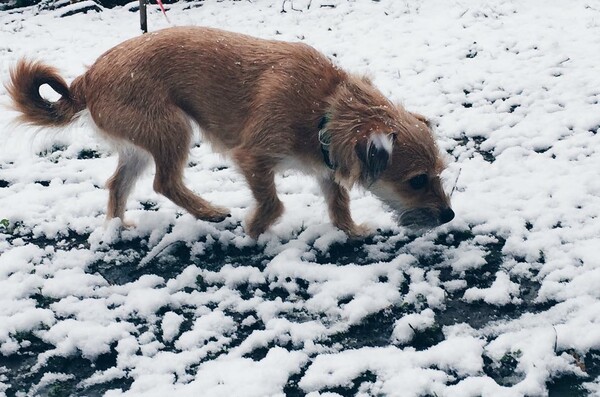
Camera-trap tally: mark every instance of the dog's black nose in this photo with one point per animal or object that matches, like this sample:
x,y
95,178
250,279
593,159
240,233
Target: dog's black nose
x,y
446,215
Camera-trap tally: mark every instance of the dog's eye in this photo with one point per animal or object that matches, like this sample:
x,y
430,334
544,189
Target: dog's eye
x,y
418,182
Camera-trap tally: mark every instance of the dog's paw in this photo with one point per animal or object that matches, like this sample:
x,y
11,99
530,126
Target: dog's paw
x,y
256,226
119,223
254,230
128,224
218,215
359,231
262,218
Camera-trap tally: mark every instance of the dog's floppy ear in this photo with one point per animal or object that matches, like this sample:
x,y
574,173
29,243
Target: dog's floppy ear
x,y
422,119
375,153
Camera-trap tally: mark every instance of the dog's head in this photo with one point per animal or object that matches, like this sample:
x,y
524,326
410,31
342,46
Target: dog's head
x,y
404,173
392,153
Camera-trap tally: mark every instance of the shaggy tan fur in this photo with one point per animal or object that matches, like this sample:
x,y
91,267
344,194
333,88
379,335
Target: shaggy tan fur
x,y
259,101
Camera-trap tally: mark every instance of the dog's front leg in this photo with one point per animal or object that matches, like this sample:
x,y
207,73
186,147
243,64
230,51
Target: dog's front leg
x,y
338,203
260,175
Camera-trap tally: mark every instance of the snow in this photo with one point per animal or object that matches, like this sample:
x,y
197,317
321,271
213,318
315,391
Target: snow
x,y
170,325
406,327
503,301
403,372
501,292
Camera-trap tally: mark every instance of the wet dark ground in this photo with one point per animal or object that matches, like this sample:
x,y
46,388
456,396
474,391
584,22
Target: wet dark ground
x,y
374,330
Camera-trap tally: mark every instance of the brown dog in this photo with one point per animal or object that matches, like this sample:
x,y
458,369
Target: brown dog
x,y
268,104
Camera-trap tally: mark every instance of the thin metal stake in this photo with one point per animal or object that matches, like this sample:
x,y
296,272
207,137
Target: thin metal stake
x,y
143,17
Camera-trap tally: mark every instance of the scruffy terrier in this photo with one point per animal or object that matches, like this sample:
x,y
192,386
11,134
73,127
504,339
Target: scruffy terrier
x,y
267,104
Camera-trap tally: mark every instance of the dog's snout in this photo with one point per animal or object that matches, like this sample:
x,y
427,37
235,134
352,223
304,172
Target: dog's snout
x,y
446,215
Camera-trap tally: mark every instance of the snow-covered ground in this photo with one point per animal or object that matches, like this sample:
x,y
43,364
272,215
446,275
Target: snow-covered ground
x,y
503,301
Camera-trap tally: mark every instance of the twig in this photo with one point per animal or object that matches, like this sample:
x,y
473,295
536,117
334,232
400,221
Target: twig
x,y
283,11
151,256
455,182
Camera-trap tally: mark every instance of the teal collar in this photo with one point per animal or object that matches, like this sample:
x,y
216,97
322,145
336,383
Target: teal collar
x,y
325,140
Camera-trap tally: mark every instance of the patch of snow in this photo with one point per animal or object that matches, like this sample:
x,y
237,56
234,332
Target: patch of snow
x,y
501,292
406,327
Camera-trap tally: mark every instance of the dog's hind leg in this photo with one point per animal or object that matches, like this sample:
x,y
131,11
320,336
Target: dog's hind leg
x,y
260,175
169,145
132,162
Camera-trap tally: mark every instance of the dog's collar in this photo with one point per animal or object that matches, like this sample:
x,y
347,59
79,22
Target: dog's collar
x,y
325,140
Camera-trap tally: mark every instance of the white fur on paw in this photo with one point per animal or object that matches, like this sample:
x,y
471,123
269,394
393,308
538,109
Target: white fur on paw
x,y
360,231
128,224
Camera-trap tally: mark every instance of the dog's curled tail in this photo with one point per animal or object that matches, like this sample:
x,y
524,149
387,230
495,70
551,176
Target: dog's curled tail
x,y
26,78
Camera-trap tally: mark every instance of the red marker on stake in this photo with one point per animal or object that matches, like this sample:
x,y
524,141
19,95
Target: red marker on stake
x,y
162,7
